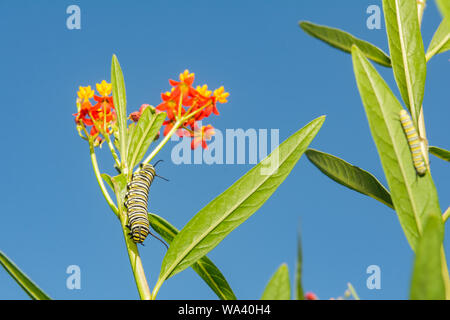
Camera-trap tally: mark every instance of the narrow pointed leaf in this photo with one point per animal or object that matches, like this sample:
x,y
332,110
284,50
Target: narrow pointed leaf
x,y
440,153
349,175
343,41
414,198
299,294
204,267
108,180
407,51
143,135
120,103
279,287
444,7
22,279
120,187
427,280
440,42
236,204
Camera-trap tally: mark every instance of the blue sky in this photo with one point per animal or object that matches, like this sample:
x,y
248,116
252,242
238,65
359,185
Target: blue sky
x,y
54,215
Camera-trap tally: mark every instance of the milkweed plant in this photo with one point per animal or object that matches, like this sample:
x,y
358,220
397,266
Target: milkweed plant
x,y
397,127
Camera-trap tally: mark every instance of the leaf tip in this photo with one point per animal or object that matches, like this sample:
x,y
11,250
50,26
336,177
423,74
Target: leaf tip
x,y
321,119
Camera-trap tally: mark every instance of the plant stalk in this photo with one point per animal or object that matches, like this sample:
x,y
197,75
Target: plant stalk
x,y
158,148
421,121
353,291
113,151
446,214
156,288
100,180
445,273
424,145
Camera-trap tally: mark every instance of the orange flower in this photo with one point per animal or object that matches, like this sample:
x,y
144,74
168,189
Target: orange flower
x,y
200,136
185,104
170,104
100,116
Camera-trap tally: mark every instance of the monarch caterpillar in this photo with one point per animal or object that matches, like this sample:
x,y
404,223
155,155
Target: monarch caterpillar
x,y
414,142
136,200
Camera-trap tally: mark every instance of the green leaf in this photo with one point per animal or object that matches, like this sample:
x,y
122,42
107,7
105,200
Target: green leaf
x,y
22,279
279,287
407,52
236,204
120,103
204,267
349,175
343,40
427,281
415,198
120,187
299,294
143,135
108,180
444,7
440,42
440,153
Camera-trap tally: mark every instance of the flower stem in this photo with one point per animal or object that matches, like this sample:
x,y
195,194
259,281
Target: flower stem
x,y
353,291
100,180
164,141
446,214
113,151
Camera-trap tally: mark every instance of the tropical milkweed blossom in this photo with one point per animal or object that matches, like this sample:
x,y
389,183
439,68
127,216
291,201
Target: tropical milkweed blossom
x,y
100,116
188,105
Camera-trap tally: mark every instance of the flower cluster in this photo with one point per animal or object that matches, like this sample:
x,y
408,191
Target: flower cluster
x,y
100,116
186,106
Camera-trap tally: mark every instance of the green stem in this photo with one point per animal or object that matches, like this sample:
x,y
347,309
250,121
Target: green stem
x,y
353,291
156,288
421,121
100,180
113,151
445,273
446,214
164,141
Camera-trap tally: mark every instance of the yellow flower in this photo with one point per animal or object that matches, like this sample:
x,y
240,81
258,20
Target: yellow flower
x,y
104,88
85,93
203,90
221,95
186,75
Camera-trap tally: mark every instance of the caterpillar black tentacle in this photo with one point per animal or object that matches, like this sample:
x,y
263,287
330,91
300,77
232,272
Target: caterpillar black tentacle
x,y
414,142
